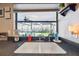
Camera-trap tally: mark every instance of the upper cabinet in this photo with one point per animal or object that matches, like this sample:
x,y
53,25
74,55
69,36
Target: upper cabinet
x,y
7,9
8,12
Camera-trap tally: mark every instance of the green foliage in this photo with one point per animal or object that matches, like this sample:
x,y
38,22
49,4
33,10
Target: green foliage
x,y
62,5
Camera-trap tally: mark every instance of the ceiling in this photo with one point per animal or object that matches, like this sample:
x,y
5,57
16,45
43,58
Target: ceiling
x,y
35,6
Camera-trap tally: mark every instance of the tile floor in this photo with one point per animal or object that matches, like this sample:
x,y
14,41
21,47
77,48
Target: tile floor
x,y
40,48
7,48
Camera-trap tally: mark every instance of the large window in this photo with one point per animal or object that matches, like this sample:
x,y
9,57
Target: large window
x,y
36,23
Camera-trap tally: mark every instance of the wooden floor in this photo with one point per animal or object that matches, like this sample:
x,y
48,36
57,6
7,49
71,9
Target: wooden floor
x,y
7,48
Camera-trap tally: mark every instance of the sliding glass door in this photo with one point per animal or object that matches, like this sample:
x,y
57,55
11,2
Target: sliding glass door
x,y
36,24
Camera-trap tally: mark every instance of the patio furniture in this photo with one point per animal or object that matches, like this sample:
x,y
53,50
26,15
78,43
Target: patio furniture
x,y
29,38
51,37
56,38
16,38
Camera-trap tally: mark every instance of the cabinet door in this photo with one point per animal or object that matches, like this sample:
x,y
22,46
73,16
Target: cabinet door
x,y
7,9
8,15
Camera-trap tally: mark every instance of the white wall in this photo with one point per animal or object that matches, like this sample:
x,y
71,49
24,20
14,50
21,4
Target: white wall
x,y
64,22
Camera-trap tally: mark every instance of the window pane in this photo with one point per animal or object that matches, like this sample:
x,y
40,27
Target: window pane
x,y
37,16
37,29
24,27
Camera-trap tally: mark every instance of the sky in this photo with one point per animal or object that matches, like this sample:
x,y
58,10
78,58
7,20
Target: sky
x,y
37,16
